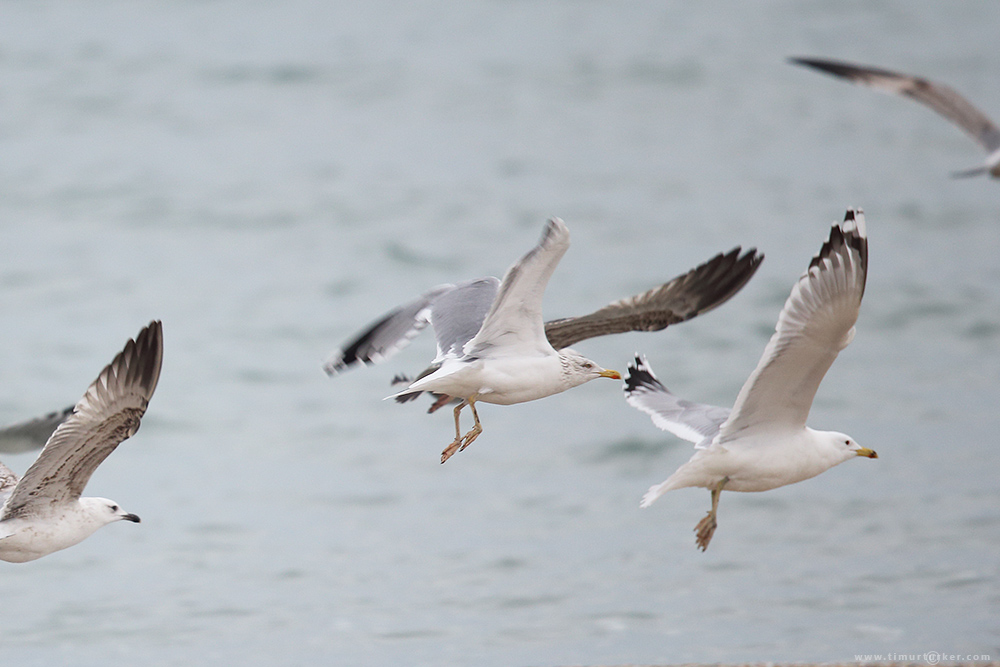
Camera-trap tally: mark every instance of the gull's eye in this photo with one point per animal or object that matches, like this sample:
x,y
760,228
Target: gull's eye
x,y
114,508
847,442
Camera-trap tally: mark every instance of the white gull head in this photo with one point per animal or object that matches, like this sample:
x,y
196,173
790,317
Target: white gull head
x,y
578,369
43,511
31,538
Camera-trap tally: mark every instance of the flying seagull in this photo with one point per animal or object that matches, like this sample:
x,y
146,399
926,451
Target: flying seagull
x,y
937,96
43,511
32,433
763,442
458,314
688,295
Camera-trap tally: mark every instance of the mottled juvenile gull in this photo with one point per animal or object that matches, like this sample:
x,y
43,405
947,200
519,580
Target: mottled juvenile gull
x,y
43,512
763,442
465,334
937,96
31,433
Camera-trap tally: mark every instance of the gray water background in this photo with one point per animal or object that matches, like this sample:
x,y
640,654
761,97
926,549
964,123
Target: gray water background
x,y
267,178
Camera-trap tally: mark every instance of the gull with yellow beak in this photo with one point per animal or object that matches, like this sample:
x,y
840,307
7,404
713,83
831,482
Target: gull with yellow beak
x,y
763,442
491,337
510,360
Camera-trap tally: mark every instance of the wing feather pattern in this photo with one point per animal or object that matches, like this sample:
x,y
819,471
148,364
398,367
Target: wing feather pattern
x,y
816,322
937,96
108,413
514,322
699,290
387,335
692,421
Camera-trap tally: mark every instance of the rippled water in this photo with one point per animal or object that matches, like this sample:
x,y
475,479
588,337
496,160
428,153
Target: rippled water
x,y
267,179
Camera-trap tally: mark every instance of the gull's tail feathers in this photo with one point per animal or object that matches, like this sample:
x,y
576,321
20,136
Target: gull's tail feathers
x,y
654,493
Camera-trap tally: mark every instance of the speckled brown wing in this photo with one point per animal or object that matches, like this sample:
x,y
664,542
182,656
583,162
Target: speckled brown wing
x,y
108,413
686,296
939,97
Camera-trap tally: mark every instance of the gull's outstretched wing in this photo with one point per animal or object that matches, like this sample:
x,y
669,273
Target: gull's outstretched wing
x,y
689,295
939,97
685,419
514,323
33,433
816,323
108,413
458,314
387,336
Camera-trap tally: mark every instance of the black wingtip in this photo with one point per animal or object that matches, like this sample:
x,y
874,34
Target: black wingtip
x,y
60,414
730,272
400,378
753,259
722,277
799,60
639,375
834,67
810,61
849,233
142,358
355,351
853,71
150,345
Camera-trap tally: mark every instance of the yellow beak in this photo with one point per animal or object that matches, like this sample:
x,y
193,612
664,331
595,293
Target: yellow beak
x,y
870,453
614,375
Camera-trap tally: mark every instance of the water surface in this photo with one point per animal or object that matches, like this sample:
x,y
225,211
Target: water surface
x,y
267,179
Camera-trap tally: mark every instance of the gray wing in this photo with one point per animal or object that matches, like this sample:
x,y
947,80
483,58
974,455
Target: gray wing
x,y
699,290
939,97
456,317
514,324
816,323
387,336
458,314
33,433
108,413
695,422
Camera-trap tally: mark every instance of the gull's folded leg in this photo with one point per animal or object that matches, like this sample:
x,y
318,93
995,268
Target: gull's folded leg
x,y
706,527
442,400
477,428
453,447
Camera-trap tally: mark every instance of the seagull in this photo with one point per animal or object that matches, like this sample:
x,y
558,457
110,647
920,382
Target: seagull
x,y
43,511
688,295
469,321
32,433
763,442
937,96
